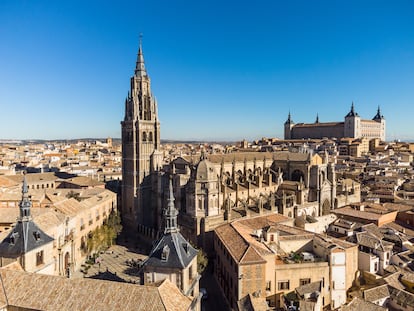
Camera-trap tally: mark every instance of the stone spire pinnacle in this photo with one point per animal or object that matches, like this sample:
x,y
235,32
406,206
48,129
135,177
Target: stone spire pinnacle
x,y
352,113
140,66
25,204
378,116
171,212
289,119
317,118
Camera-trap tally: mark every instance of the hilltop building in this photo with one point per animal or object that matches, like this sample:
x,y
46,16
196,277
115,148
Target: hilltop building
x,y
353,127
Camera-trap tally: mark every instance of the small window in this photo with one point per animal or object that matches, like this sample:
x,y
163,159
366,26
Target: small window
x,y
36,235
268,285
304,281
39,258
165,253
283,285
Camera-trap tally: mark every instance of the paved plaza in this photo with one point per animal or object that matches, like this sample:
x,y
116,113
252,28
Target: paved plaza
x,y
118,263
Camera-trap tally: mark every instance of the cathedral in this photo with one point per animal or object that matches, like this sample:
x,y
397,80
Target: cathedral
x,y
141,157
352,127
214,189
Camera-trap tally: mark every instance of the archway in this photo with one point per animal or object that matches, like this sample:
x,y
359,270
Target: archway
x,y
326,207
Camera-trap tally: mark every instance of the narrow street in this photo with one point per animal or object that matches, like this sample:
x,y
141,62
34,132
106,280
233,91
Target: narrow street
x,y
215,300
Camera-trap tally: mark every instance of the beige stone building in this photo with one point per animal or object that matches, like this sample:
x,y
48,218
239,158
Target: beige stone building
x,y
268,258
66,220
26,243
352,127
220,188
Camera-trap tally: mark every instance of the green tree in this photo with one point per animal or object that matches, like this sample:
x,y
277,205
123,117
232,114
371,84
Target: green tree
x,y
202,261
103,237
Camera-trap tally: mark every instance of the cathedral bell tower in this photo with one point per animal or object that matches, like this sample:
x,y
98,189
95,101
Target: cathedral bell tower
x,y
289,124
140,148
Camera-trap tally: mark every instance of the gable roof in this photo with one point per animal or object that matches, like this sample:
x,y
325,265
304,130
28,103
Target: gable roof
x,y
46,292
251,256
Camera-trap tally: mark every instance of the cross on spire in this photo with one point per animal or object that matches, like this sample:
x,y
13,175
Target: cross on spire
x,y
140,66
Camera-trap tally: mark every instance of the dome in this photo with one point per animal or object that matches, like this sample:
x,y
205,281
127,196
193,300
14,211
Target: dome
x,y
206,171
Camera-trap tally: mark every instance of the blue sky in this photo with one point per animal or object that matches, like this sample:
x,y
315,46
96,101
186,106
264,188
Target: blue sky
x,y
223,70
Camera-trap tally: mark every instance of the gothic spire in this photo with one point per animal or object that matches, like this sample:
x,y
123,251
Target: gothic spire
x,y
289,119
352,113
170,213
378,116
317,118
140,67
25,204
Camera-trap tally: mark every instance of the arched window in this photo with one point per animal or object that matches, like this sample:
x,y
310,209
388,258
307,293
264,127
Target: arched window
x,y
297,175
150,137
144,136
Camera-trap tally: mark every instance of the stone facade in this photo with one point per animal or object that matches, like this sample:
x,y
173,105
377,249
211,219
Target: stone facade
x,y
217,189
211,190
352,127
140,148
268,258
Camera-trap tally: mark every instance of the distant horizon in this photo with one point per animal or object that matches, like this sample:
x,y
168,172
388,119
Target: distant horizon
x,y
223,75
163,141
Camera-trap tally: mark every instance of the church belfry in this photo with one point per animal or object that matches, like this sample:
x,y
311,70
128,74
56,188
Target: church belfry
x,y
289,124
140,147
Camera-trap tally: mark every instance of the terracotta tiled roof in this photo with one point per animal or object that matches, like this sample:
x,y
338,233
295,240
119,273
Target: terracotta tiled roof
x,y
376,293
402,297
45,292
83,181
10,214
249,303
358,304
263,221
171,297
394,279
232,240
7,182
251,256
33,178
